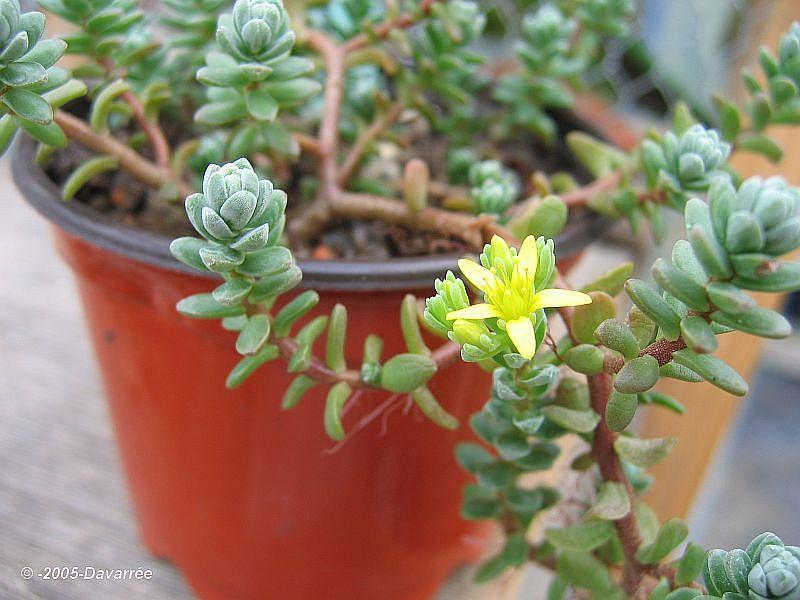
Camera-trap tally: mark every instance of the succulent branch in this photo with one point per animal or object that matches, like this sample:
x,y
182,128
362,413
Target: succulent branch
x,y
391,75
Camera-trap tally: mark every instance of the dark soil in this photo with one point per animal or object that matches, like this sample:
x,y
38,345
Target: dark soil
x,y
123,199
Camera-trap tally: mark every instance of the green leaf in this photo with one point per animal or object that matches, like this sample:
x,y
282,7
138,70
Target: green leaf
x,y
706,246
275,284
585,358
662,400
187,250
729,298
690,564
512,444
546,217
220,113
620,410
410,326
540,458
587,317
599,158
50,134
498,475
204,306
682,117
582,421
431,408
637,375
730,120
254,335
611,282
88,170
260,104
698,335
337,396
713,370
472,456
103,103
660,591
293,91
8,127
675,371
296,390
404,373
584,536
276,259
248,365
583,570
680,284
337,335
612,502
480,503
293,311
27,105
777,277
644,453
557,590
526,501
685,594
232,292
616,335
654,306
761,144
757,320
671,534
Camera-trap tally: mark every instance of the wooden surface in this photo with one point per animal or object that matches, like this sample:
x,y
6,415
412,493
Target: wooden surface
x,y
711,411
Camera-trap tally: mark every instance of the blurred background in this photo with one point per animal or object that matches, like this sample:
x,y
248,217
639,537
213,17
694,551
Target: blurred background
x,y
735,472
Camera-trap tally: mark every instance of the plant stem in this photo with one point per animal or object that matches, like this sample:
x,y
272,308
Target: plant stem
x,y
611,470
131,161
474,230
444,356
662,350
353,159
154,133
385,28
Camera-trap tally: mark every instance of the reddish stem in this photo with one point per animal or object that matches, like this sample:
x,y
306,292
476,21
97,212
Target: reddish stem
x,y
611,470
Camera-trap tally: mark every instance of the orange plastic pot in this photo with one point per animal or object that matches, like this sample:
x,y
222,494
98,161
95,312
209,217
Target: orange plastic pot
x,y
248,500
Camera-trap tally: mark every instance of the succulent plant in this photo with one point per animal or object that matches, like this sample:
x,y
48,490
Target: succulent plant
x,y
493,188
688,162
397,76
26,61
767,570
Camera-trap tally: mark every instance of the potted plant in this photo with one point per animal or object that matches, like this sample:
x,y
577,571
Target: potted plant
x,y
381,114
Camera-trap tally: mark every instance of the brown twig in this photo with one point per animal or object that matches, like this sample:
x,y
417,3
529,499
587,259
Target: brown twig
x,y
385,28
129,160
369,135
611,470
474,230
307,143
155,135
662,350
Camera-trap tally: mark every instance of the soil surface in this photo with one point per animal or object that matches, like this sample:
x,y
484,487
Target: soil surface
x,y
121,198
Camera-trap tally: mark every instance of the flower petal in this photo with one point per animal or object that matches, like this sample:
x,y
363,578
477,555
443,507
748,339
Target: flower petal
x,y
476,311
476,274
521,333
556,297
529,255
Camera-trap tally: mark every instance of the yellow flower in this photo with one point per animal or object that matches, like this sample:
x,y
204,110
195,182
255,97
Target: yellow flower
x,y
513,297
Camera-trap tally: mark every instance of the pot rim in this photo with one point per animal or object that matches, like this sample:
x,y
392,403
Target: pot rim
x,y
144,246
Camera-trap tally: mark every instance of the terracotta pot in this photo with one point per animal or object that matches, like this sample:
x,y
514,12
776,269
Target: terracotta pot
x,y
248,500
